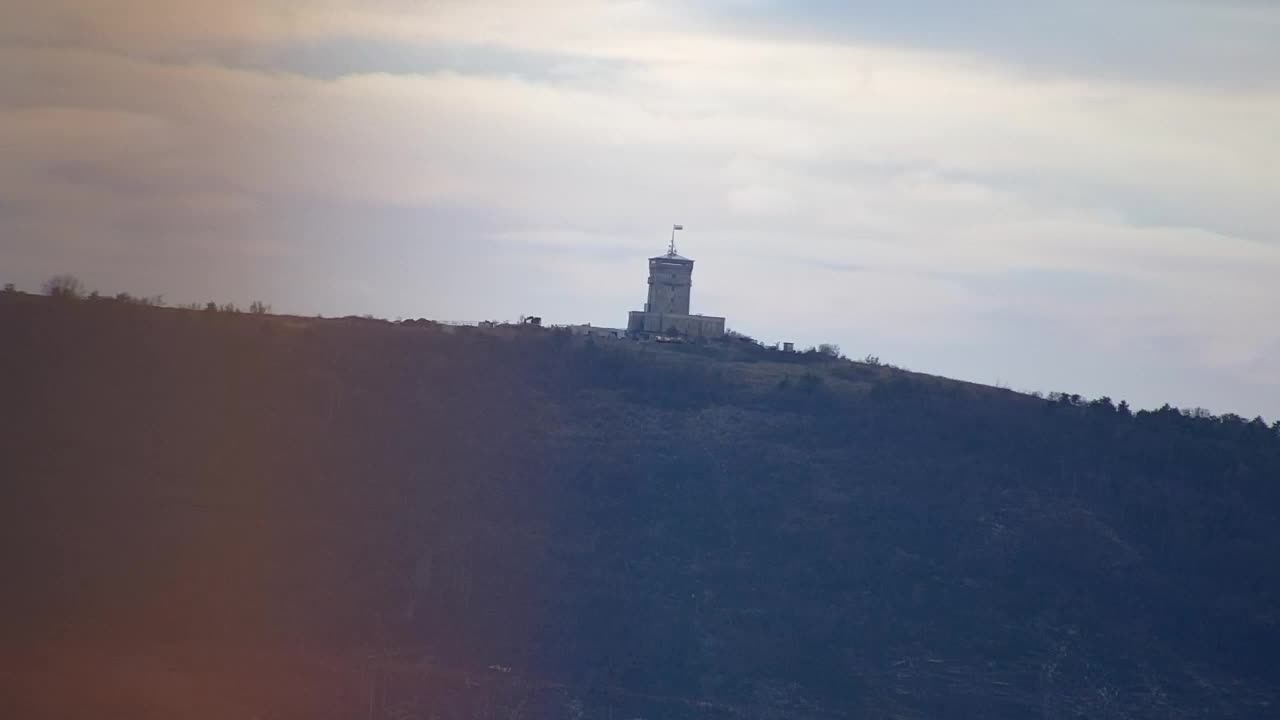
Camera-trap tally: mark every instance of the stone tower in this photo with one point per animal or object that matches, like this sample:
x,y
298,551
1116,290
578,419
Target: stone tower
x,y
666,312
670,280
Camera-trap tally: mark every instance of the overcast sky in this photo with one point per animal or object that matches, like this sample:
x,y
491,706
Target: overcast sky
x,y
1078,196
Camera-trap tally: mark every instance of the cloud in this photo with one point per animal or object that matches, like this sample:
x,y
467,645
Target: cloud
x,y
1209,43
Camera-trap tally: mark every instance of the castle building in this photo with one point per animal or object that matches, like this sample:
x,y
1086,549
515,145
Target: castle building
x,y
667,310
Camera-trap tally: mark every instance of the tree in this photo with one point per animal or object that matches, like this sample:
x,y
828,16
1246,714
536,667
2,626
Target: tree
x,y
211,307
64,286
257,307
10,288
829,349
1102,404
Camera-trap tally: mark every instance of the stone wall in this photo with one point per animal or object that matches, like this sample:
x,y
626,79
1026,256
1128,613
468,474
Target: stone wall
x,y
695,326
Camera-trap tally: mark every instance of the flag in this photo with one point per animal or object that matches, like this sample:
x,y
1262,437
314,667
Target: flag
x,y
677,227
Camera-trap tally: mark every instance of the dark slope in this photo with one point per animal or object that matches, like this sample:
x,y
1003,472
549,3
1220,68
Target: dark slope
x,y
212,515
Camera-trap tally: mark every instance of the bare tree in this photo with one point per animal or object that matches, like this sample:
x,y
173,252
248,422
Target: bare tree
x,y
64,286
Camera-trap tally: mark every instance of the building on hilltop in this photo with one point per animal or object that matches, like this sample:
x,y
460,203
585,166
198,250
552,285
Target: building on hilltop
x,y
667,309
593,331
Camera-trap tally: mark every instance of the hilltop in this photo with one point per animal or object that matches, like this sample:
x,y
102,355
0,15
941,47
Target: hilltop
x,y
213,514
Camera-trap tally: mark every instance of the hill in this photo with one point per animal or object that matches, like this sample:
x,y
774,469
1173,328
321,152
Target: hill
x,y
212,515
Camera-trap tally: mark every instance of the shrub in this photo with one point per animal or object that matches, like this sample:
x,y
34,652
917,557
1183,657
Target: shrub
x,y
64,286
809,382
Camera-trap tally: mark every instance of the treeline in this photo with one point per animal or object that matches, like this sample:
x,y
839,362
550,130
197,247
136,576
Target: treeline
x,y
70,287
1227,425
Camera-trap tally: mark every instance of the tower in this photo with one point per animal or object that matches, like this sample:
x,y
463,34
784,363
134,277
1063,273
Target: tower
x,y
666,312
670,282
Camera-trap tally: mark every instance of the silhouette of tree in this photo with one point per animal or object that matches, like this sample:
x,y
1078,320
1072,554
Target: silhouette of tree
x,y
64,286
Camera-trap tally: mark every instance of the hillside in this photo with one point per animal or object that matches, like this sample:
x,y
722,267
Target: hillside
x,y
216,515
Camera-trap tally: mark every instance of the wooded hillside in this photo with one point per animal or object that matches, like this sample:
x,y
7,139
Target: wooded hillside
x,y
211,514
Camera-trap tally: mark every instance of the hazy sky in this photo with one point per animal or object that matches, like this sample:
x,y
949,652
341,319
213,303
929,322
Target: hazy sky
x,y
1077,196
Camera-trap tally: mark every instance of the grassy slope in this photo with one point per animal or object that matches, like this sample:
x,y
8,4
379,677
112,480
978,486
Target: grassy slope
x,y
238,510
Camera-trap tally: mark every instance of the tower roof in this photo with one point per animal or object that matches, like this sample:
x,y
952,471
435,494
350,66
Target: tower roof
x,y
671,255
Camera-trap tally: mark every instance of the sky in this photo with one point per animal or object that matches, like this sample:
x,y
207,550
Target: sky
x,y
1072,196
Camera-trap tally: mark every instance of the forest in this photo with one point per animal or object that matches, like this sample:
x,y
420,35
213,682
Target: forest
x,y
216,513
